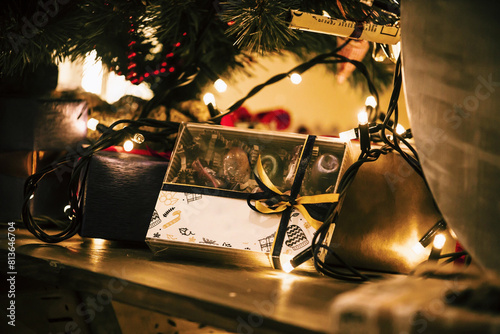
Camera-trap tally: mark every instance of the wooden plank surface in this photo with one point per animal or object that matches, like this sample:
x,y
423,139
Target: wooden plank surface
x,y
238,299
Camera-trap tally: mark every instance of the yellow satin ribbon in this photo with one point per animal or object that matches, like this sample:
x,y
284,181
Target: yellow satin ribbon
x,y
299,202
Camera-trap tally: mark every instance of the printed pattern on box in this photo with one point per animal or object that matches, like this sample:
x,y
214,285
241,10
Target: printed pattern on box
x,y
185,217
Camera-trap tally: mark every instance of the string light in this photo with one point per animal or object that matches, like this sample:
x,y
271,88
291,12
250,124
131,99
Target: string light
x,y
371,101
295,78
128,145
92,124
425,241
209,98
220,85
287,265
363,117
439,241
364,131
400,129
138,138
437,245
370,105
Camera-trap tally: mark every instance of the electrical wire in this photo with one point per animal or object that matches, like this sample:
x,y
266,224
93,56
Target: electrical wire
x,y
327,58
389,125
392,109
350,273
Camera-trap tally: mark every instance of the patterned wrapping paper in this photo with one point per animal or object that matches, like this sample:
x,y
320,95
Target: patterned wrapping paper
x,y
223,222
188,216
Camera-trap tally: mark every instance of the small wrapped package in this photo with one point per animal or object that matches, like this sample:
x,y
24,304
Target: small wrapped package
x,y
245,195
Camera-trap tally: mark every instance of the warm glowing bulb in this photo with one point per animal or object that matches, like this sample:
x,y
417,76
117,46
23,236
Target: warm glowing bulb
x,y
418,248
220,85
295,78
363,117
209,98
128,145
439,241
400,129
371,101
287,266
138,138
32,196
92,124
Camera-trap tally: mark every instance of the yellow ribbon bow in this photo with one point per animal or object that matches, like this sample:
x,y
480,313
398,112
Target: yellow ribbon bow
x,y
283,204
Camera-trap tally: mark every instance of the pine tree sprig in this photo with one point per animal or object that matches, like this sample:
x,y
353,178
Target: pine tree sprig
x,y
212,39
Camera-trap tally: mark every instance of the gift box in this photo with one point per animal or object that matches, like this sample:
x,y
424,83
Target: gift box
x,y
387,209
120,194
232,192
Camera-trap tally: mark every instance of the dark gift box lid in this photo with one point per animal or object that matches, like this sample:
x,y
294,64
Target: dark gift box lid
x,y
120,195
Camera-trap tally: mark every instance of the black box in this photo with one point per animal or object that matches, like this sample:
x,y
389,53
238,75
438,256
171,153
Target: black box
x,y
120,195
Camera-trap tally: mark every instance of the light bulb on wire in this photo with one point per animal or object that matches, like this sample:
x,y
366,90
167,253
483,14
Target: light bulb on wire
x,y
371,101
138,138
289,263
429,237
364,131
209,98
363,117
220,85
128,145
92,124
295,78
439,241
437,246
400,129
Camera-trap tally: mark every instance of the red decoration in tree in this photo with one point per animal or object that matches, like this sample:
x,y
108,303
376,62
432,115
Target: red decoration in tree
x,y
134,65
278,119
